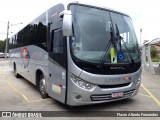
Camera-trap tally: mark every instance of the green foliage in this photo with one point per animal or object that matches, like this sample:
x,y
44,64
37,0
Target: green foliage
x,y
153,52
2,45
156,59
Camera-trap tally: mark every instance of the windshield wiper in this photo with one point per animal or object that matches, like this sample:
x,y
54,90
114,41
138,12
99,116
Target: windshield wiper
x,y
121,39
106,50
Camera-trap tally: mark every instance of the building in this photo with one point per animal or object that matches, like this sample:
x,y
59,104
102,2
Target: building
x,y
146,48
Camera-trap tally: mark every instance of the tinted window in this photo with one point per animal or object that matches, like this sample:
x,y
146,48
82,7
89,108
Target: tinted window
x,y
59,53
58,41
39,31
54,23
34,33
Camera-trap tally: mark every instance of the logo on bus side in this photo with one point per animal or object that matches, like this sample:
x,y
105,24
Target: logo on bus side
x,y
25,56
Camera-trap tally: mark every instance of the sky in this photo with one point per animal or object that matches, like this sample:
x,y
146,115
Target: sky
x,y
145,14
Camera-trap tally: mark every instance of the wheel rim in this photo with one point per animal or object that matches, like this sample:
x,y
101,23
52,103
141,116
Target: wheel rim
x,y
42,86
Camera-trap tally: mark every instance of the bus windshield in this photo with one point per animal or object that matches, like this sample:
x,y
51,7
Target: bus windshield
x,y
92,33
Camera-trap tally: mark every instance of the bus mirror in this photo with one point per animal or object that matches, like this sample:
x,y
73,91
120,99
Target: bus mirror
x,y
67,23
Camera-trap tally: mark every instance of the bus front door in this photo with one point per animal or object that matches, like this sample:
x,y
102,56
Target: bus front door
x,y
57,66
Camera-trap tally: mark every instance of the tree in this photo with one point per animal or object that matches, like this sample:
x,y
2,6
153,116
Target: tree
x,y
2,45
153,52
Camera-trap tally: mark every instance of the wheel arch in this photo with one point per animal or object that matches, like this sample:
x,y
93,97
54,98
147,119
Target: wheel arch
x,y
38,72
37,76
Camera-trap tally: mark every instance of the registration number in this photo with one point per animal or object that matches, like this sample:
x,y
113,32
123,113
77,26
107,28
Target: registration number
x,y
117,94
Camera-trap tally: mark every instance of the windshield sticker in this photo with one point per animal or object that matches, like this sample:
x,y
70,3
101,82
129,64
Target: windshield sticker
x,y
113,55
121,55
78,45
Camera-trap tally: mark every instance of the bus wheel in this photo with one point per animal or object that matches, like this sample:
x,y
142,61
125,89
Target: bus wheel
x,y
42,88
15,71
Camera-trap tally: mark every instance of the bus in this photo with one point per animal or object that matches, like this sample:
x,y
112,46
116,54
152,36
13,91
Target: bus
x,y
79,54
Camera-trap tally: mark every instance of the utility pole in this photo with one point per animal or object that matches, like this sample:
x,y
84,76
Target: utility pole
x,y
140,35
6,50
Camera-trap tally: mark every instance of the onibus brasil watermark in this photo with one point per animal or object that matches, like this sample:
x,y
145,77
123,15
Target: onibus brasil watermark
x,y
21,114
79,113
137,114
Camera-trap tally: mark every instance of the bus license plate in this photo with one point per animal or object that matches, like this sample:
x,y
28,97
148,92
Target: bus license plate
x,y
118,94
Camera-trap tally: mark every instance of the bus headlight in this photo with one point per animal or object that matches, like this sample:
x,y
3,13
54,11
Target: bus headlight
x,y
82,84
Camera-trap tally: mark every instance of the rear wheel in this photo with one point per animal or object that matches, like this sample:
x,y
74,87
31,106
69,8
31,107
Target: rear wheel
x,y
15,71
42,87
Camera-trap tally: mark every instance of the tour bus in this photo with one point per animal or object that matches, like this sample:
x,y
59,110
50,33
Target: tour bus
x,y
79,54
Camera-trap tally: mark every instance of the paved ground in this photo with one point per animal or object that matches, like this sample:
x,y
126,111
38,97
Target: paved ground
x,y
20,95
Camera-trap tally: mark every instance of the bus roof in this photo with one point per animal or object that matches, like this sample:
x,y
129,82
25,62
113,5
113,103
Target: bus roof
x,y
100,7
65,4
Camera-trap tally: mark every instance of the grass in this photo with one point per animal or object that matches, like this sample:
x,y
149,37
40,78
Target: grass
x,y
156,59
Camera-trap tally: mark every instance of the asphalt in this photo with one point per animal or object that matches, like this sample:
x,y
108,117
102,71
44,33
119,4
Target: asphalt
x,y
17,94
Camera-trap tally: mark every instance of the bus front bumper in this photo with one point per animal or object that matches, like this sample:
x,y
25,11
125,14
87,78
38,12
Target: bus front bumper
x,y
77,96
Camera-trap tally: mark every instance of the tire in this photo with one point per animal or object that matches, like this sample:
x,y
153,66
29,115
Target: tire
x,y
15,72
41,87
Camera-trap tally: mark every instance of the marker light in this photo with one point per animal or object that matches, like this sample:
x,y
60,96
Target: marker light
x,y
82,84
127,78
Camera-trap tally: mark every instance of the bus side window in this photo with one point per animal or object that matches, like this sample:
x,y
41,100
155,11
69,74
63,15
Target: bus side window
x,y
59,47
58,41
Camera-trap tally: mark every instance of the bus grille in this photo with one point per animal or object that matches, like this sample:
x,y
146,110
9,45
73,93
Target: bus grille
x,y
114,86
104,97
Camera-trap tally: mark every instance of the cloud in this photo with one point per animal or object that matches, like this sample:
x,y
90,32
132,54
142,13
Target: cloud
x,y
143,13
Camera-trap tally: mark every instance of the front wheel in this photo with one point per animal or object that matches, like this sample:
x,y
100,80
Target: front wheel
x,y
42,87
